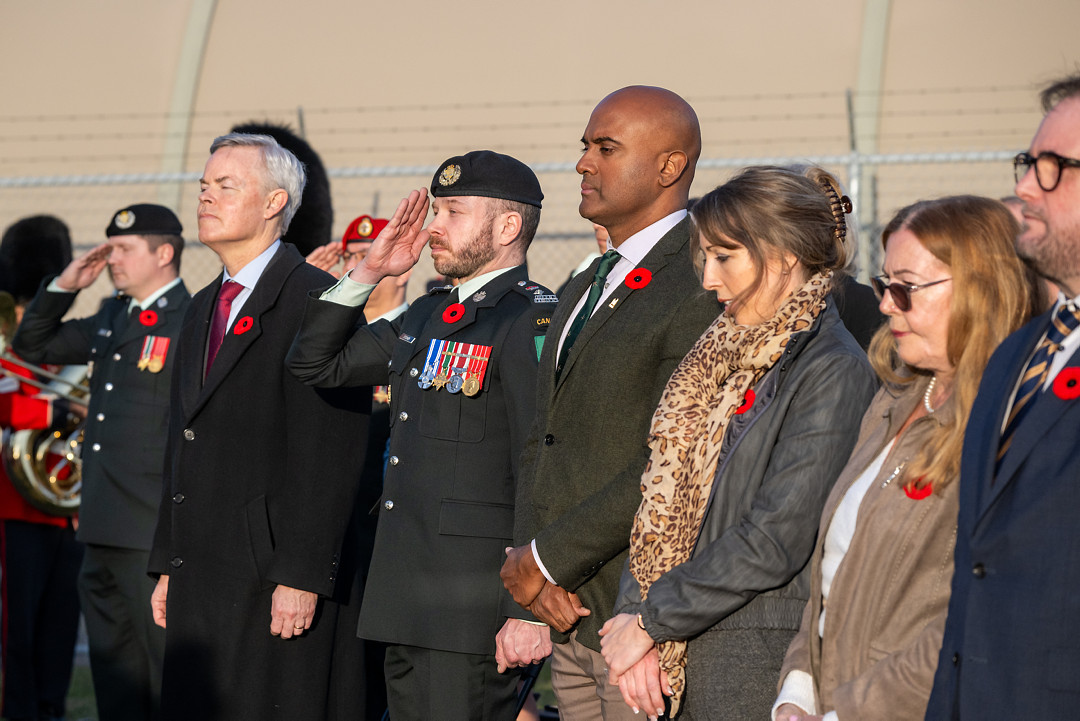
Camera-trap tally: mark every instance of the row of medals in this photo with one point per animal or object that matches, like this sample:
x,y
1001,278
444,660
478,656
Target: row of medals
x,y
453,382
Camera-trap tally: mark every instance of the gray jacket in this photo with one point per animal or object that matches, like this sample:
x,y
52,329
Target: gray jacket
x,y
778,462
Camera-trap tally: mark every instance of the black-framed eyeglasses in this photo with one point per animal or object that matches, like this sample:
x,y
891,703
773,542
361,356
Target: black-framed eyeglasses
x,y
1048,166
900,292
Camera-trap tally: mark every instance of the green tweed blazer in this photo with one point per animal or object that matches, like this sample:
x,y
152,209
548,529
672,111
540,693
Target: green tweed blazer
x,y
582,464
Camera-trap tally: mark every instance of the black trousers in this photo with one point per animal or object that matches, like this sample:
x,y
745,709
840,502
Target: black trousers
x,y
40,608
424,684
126,648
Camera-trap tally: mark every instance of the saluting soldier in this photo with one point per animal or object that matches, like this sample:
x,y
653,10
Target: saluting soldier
x,y
130,343
461,365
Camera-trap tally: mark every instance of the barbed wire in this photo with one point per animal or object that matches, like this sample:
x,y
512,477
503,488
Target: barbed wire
x,y
497,104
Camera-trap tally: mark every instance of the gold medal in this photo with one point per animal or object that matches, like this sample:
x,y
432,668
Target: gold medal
x,y
154,351
471,387
440,380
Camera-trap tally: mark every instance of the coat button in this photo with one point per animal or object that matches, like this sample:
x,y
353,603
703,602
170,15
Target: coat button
x,y
413,372
178,498
108,386
956,659
403,416
116,356
100,417
189,435
394,460
978,570
549,439
177,562
388,505
97,446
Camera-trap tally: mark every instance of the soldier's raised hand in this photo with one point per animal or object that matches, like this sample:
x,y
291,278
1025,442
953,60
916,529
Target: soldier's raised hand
x,y
397,248
85,269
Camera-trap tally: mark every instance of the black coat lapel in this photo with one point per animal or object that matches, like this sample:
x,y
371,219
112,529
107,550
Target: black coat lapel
x,y
248,325
192,340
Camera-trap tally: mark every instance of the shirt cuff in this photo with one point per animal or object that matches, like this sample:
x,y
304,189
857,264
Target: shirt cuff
x,y
54,287
831,716
543,569
798,689
348,292
535,623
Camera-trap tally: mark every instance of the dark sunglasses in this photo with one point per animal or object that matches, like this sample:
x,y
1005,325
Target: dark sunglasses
x,y
900,292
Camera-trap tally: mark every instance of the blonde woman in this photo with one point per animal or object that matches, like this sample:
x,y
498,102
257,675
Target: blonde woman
x,y
952,288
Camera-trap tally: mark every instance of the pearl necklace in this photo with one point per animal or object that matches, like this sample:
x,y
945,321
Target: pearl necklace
x,y
926,396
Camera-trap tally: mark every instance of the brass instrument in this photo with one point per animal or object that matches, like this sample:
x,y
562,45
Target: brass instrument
x,y
45,465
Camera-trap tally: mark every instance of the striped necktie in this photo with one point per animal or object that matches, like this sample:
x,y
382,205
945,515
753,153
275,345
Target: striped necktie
x,y
607,262
1064,322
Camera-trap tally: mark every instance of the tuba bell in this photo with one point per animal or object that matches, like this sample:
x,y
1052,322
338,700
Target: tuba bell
x,y
45,465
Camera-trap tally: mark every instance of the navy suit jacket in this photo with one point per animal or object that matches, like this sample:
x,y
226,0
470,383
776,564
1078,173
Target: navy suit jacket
x,y
1010,648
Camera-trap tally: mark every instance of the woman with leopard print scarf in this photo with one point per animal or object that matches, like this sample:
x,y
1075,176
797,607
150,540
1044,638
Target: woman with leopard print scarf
x,y
753,428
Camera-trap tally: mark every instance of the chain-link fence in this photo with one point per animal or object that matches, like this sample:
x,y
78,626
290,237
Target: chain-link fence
x,y
883,183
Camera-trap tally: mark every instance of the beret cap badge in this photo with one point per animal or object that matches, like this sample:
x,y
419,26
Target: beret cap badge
x,y
365,227
449,175
124,219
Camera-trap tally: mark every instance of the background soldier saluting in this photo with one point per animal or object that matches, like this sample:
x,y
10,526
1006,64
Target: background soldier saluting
x,y
131,343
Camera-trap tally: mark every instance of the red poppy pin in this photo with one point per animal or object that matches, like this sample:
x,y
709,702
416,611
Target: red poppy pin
x,y
917,494
453,313
243,325
1067,384
148,317
638,278
748,400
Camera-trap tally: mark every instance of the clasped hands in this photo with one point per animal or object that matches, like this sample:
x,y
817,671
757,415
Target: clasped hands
x,y
633,663
551,604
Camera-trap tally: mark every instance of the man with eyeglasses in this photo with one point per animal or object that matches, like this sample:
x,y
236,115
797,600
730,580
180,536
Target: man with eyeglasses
x,y
1010,648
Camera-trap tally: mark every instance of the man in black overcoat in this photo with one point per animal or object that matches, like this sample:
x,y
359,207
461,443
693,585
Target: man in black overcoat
x,y
260,469
461,365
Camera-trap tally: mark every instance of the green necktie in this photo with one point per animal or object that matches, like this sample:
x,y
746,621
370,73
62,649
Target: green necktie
x,y
607,262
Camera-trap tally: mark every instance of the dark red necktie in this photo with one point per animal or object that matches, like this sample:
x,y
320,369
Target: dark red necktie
x,y
229,290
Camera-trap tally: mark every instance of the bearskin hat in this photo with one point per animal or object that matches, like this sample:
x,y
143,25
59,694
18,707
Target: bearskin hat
x,y
311,226
32,249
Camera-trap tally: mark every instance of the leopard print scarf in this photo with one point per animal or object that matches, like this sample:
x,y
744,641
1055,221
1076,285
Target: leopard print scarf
x,y
706,389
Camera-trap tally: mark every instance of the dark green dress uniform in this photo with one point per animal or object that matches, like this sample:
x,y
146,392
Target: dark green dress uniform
x,y
122,461
447,509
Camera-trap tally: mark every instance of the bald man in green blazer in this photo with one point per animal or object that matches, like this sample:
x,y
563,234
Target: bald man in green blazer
x,y
620,329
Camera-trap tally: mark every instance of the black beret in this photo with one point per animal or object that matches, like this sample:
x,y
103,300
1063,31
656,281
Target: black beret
x,y
487,174
144,219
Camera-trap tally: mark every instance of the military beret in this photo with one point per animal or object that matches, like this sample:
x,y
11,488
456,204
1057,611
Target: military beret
x,y
144,219
363,230
487,174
